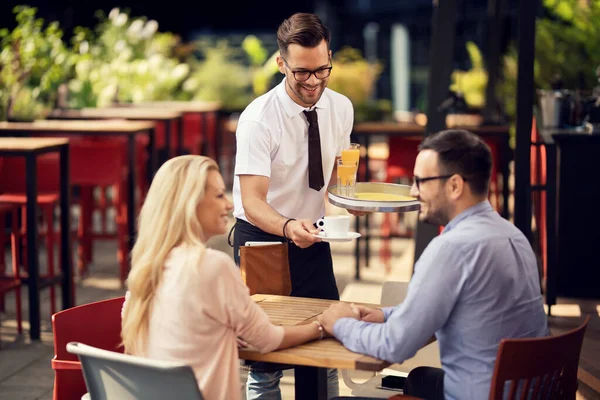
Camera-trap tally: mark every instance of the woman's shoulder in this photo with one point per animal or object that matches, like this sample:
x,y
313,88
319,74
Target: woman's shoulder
x,y
217,257
216,262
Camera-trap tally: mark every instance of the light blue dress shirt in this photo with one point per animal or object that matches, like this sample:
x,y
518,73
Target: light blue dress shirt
x,y
474,285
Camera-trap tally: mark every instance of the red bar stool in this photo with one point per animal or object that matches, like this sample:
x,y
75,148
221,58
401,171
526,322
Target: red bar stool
x,y
10,282
13,189
100,162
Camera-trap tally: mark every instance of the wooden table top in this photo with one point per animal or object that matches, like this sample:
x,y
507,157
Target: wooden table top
x,y
132,113
182,106
326,353
76,126
30,144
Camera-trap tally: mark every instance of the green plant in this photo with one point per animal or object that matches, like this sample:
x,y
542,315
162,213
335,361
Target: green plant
x,y
219,77
33,62
125,59
262,69
354,77
471,83
229,75
567,50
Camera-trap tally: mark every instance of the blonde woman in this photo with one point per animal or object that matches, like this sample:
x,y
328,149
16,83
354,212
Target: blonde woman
x,y
187,302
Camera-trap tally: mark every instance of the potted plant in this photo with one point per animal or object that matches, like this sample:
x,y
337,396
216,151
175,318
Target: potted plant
x,y
567,50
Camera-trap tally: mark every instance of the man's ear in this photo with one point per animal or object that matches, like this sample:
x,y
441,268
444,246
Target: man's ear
x,y
456,186
280,64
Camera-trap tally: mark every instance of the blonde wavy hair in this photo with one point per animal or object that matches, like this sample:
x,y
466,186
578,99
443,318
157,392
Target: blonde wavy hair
x,y
169,218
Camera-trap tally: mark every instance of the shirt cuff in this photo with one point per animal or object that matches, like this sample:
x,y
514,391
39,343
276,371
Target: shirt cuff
x,y
342,327
387,311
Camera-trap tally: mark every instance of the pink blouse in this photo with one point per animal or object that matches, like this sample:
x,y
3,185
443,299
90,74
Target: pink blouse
x,y
197,313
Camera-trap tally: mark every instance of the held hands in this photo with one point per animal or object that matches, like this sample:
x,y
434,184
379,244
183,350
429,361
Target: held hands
x,y
301,233
345,310
335,312
368,314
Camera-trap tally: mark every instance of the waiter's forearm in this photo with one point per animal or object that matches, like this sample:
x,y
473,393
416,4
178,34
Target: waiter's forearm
x,y
263,216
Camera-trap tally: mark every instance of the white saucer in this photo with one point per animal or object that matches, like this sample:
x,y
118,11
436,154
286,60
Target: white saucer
x,y
351,236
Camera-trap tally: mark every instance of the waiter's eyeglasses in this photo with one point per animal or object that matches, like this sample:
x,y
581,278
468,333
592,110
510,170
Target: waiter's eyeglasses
x,y
304,75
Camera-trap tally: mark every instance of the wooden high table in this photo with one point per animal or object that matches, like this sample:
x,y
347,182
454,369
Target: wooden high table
x,y
363,132
201,108
102,128
312,359
130,114
30,148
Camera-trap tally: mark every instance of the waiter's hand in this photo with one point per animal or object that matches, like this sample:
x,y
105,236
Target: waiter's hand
x,y
358,213
301,233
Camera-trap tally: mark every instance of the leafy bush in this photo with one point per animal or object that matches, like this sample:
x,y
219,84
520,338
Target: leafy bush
x,y
125,60
353,76
33,62
567,50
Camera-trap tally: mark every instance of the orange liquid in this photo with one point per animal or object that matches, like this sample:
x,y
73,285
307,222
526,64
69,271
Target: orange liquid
x,y
345,174
352,155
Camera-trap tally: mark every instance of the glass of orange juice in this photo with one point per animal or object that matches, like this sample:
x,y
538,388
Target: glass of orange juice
x,y
346,177
352,153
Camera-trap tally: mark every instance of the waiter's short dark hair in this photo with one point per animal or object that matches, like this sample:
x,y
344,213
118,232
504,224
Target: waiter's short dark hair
x,y
303,29
464,153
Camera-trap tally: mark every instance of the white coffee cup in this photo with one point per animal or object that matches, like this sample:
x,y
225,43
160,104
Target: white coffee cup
x,y
335,226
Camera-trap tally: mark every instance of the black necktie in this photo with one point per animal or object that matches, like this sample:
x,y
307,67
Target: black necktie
x,y
315,165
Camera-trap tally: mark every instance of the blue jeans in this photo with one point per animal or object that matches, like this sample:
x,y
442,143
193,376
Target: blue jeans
x,y
265,385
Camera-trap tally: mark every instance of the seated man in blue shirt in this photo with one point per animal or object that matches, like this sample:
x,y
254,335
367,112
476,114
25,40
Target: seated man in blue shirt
x,y
474,284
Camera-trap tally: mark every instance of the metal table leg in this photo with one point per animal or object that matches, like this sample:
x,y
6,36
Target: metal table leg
x,y
310,383
68,295
33,284
131,186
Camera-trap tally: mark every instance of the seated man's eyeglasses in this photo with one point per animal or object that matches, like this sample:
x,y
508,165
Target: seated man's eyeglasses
x,y
417,181
303,75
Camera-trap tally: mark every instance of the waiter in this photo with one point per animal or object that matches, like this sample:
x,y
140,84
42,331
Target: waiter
x,y
287,144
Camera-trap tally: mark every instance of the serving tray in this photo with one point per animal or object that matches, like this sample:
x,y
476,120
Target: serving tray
x,y
372,205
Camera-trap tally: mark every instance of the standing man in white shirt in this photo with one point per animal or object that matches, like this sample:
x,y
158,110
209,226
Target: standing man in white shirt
x,y
287,144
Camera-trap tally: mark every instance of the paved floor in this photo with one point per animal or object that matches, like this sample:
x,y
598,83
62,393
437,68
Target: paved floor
x,y
25,371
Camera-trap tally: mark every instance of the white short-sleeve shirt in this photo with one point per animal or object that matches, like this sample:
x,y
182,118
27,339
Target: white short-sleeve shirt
x,y
272,141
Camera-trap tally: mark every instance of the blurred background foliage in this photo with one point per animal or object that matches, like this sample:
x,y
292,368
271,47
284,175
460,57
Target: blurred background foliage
x,y
34,61
567,50
124,60
355,77
471,84
127,59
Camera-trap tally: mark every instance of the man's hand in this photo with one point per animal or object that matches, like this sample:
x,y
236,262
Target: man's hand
x,y
358,213
335,312
301,233
369,314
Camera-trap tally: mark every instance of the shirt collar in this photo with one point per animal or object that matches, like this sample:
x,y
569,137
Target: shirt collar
x,y
290,106
478,208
